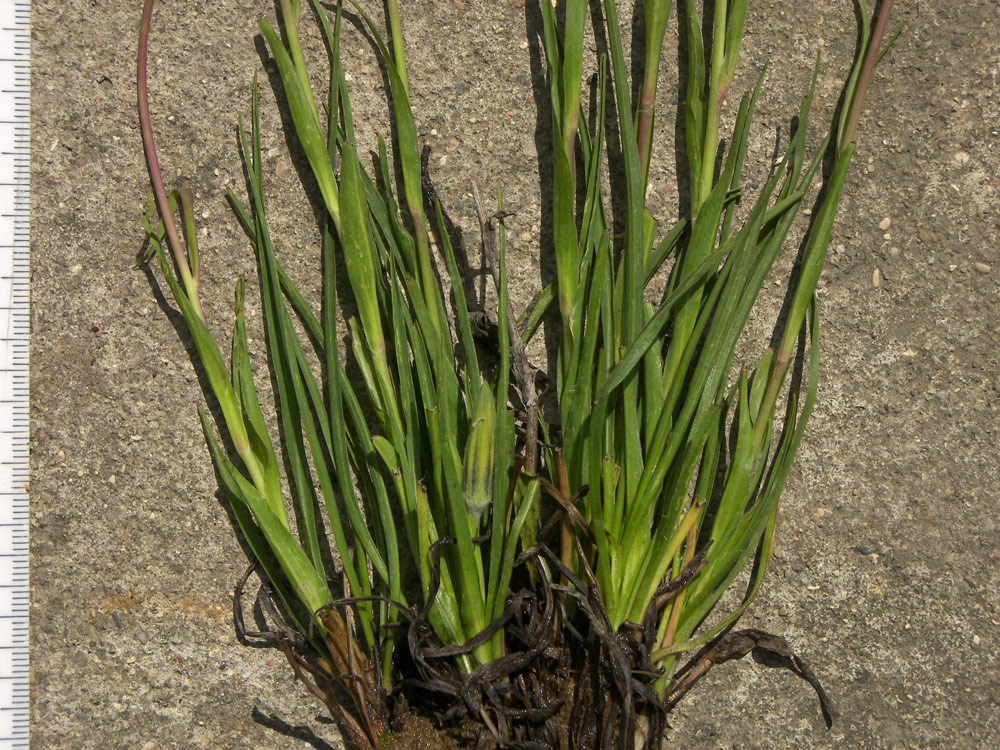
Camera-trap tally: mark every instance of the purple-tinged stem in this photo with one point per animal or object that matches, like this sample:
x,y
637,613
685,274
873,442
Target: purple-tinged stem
x,y
871,56
153,163
657,14
644,127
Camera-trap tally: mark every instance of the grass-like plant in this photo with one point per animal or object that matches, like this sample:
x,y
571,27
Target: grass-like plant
x,y
403,452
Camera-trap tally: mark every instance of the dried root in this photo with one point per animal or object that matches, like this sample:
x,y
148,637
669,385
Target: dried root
x,y
604,700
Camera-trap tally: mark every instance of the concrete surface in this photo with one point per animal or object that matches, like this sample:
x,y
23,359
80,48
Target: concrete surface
x,y
888,572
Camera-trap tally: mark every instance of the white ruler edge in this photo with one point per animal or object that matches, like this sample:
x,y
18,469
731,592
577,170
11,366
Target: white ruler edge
x,y
15,82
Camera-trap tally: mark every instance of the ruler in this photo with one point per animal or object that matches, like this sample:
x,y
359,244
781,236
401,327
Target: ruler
x,y
15,82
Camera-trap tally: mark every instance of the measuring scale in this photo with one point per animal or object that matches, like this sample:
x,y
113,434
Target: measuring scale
x,y
14,325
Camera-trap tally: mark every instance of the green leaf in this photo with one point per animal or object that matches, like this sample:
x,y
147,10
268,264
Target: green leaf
x,y
306,121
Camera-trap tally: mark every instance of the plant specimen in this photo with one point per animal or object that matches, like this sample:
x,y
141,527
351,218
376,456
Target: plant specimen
x,y
476,540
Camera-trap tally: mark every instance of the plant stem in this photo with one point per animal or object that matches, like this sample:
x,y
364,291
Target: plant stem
x,y
153,163
396,33
290,15
411,181
657,13
814,253
702,183
727,33
871,57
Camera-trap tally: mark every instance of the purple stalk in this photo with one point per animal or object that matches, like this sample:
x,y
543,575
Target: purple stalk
x,y
871,56
153,163
644,128
657,14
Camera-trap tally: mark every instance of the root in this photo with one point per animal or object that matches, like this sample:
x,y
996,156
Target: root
x,y
604,697
737,645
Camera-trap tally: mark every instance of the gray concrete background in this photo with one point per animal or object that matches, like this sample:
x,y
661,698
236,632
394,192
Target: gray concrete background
x,y
887,571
